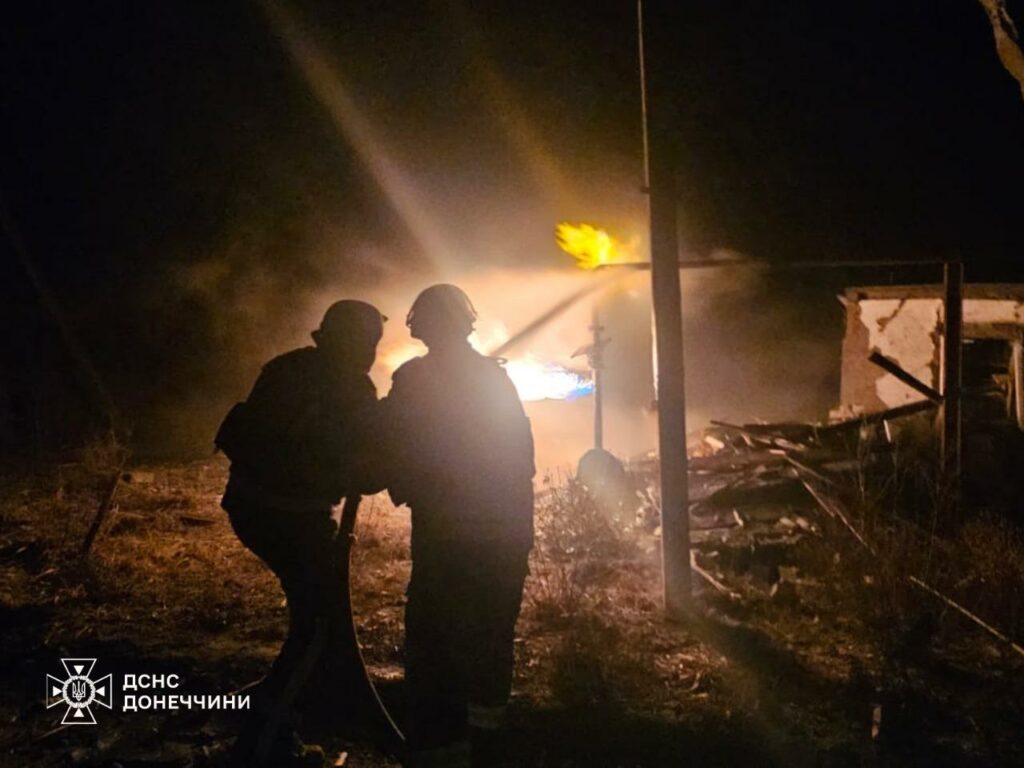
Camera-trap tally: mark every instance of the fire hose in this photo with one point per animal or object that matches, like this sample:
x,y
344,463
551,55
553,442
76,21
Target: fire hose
x,y
337,641
363,691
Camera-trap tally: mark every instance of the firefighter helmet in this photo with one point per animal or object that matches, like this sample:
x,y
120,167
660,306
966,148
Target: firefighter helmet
x,y
442,306
351,319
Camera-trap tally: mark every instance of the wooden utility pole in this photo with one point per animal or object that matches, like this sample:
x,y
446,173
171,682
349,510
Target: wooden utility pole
x,y
668,329
1018,380
952,355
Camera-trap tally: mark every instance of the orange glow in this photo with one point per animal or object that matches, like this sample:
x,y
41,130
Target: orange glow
x,y
534,379
591,247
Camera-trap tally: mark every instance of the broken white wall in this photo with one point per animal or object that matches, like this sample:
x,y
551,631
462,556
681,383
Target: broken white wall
x,y
904,330
908,331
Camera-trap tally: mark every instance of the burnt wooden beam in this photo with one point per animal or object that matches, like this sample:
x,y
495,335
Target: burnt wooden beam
x,y
893,368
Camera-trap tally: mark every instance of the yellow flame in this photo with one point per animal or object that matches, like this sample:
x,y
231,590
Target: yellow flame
x,y
590,246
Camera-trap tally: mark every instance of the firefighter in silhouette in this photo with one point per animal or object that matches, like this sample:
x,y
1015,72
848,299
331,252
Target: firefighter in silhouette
x,y
297,445
462,460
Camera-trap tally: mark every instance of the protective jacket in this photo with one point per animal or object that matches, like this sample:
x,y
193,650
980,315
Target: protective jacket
x,y
461,451
302,438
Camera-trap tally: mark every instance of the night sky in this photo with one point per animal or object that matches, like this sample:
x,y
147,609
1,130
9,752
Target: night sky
x,y
143,139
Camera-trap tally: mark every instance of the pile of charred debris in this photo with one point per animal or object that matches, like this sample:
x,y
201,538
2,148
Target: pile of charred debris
x,y
757,491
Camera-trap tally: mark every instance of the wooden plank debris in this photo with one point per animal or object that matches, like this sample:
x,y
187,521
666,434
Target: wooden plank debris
x,y
877,417
715,583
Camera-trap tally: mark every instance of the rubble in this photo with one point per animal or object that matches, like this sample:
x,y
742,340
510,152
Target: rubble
x,y
757,489
755,493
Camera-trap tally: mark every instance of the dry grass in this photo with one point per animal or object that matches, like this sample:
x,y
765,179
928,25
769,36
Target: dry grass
x,y
580,588
592,651
906,510
578,549
150,566
994,582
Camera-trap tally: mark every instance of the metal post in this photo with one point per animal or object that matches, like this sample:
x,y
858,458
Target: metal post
x,y
668,324
952,355
597,365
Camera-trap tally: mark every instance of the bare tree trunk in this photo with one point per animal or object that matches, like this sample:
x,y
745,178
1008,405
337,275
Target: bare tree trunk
x,y
1007,40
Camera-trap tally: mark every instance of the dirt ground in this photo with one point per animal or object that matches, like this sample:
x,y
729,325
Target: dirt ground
x,y
801,676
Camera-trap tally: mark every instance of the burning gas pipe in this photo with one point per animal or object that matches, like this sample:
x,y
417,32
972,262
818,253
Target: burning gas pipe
x,y
592,248
598,468
538,380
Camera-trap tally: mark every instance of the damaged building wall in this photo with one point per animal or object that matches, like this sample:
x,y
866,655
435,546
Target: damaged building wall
x,y
904,323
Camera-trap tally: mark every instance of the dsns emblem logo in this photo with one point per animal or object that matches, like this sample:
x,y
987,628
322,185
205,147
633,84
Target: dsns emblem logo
x,y
78,691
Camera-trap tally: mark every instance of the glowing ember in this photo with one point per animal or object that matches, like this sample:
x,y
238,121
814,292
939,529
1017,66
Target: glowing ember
x,y
591,247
